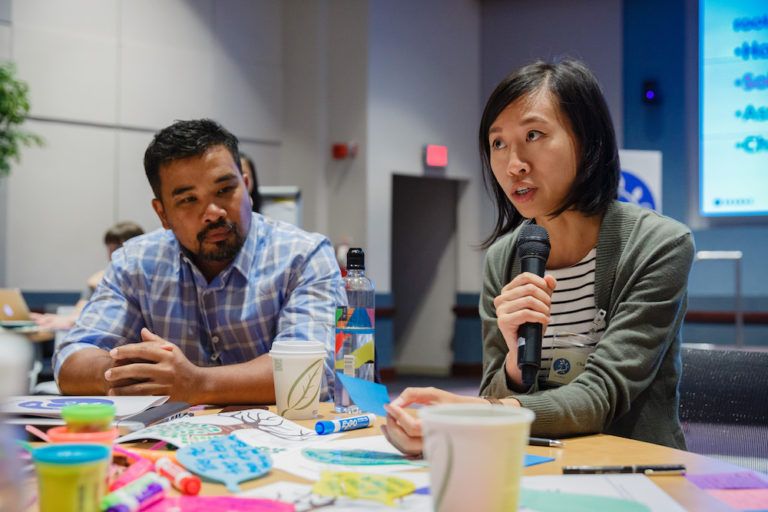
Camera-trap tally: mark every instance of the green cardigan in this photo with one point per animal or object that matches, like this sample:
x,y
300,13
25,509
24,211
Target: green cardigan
x,y
629,386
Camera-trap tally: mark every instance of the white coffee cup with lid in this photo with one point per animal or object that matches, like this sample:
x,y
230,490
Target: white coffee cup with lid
x,y
298,368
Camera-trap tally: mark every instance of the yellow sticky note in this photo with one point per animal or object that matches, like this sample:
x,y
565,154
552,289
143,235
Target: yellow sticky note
x,y
381,488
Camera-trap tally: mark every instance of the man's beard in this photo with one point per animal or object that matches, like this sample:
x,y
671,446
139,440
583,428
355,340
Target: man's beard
x,y
225,250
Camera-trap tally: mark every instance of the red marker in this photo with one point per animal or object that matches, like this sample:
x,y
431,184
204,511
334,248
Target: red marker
x,y
181,479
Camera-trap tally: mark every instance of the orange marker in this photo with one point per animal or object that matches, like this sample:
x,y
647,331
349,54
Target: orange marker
x,y
180,478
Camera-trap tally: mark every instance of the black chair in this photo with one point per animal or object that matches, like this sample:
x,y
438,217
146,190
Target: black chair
x,y
724,403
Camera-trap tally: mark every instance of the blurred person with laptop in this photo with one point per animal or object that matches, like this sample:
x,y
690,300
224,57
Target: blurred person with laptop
x,y
14,312
114,238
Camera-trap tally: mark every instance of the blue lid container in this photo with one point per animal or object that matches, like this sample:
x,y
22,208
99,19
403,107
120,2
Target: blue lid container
x,y
71,453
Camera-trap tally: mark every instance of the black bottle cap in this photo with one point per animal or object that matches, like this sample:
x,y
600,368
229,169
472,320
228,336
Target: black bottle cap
x,y
355,259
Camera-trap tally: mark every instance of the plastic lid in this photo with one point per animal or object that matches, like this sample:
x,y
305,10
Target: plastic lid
x,y
298,347
87,413
323,427
355,259
71,453
473,415
63,435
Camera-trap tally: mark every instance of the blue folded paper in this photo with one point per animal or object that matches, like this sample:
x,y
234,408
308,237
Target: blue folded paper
x,y
368,396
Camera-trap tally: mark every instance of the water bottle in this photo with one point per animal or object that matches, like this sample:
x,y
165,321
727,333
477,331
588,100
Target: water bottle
x,y
355,328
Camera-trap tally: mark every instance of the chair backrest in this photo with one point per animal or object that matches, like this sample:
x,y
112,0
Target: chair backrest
x,y
724,385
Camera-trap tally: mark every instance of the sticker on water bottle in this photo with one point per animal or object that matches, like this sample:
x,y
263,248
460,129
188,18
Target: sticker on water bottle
x,y
357,319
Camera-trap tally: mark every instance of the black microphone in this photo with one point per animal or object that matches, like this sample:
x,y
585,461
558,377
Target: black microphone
x,y
533,249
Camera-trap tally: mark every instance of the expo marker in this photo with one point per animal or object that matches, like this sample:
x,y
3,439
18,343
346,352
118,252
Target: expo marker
x,y
344,424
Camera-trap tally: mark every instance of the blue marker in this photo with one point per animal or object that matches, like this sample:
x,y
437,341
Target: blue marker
x,y
353,423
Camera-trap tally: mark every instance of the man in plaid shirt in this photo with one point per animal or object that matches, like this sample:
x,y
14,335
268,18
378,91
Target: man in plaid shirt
x,y
192,310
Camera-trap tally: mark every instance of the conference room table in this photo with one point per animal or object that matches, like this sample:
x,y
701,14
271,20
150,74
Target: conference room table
x,y
590,450
593,450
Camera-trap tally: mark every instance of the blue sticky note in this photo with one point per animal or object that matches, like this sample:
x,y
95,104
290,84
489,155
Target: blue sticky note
x,y
225,459
368,396
532,460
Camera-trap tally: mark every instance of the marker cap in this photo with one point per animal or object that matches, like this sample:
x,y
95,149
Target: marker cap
x,y
191,486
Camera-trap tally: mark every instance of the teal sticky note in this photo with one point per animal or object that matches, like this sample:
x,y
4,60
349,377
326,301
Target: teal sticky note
x,y
546,501
368,396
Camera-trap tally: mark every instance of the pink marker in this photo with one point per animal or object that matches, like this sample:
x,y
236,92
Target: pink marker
x,y
181,479
133,472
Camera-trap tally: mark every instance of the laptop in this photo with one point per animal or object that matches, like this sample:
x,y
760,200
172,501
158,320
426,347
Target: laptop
x,y
13,309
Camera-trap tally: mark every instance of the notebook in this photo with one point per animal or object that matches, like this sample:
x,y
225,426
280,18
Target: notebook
x,y
132,412
13,309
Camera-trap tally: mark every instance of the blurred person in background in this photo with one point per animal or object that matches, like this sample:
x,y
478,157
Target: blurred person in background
x,y
251,181
114,238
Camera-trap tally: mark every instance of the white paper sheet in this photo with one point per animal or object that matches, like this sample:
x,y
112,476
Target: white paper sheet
x,y
302,498
257,427
50,406
294,462
629,487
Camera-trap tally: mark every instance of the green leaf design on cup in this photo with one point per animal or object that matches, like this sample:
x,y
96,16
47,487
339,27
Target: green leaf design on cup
x,y
304,390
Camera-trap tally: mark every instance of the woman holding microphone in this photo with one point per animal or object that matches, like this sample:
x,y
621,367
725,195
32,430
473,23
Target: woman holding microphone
x,y
613,297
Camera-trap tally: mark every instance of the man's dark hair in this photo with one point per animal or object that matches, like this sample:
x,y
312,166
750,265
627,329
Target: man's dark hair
x,y
121,232
575,91
184,139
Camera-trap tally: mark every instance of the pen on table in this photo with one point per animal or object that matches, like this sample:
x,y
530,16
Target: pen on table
x,y
540,441
646,469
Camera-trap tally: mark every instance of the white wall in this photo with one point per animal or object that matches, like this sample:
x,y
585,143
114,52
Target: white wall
x,y
515,33
5,54
289,78
424,88
326,63
349,108
104,76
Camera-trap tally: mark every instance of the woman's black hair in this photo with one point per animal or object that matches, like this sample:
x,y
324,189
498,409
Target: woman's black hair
x,y
577,94
255,195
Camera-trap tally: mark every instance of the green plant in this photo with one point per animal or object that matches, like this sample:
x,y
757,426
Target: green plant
x,y
14,107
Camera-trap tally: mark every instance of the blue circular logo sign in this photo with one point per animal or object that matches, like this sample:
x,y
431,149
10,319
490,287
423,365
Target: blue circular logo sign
x,y
561,366
634,190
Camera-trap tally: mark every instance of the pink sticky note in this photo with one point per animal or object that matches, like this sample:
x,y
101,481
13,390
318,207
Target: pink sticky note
x,y
738,480
228,503
743,499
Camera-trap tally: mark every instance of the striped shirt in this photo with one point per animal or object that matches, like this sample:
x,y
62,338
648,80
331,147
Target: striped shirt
x,y
283,284
573,310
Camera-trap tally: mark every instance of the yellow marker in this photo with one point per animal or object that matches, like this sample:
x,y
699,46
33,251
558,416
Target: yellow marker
x,y
381,488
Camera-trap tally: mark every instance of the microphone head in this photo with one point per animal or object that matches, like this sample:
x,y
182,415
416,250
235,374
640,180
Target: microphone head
x,y
533,241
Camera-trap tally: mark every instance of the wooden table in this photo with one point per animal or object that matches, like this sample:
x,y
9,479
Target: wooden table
x,y
586,450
